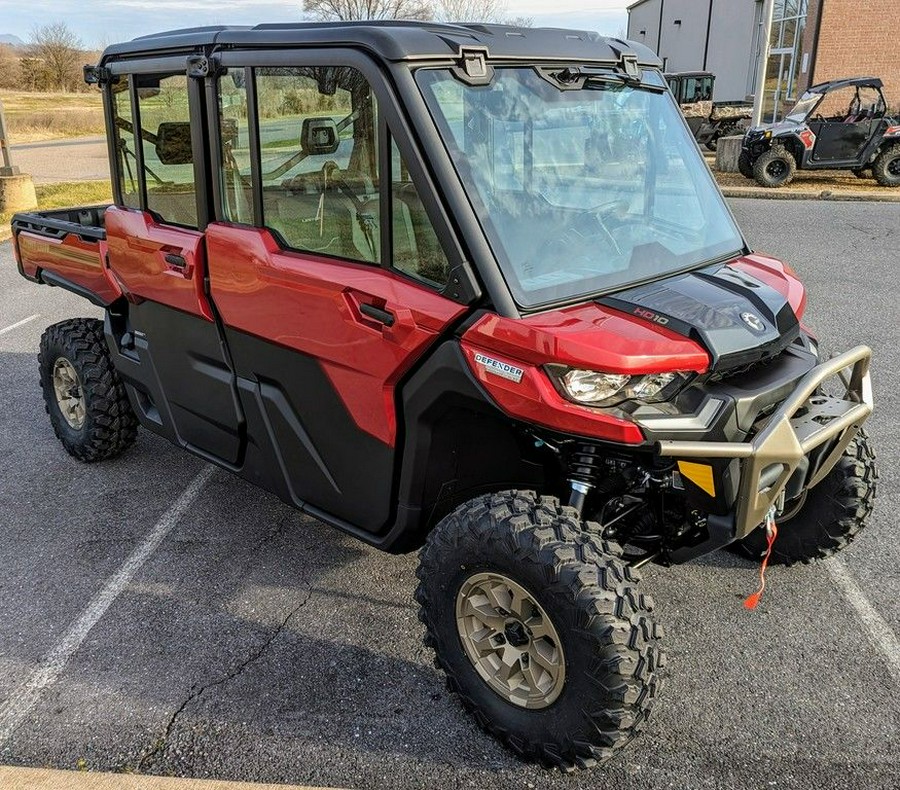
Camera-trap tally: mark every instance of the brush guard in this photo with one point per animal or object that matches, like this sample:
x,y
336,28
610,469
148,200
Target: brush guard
x,y
806,420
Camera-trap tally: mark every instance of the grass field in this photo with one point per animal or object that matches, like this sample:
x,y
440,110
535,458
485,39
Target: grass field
x,y
64,195
32,117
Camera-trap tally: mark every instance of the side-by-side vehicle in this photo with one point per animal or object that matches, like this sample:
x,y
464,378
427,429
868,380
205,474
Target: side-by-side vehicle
x,y
464,289
839,125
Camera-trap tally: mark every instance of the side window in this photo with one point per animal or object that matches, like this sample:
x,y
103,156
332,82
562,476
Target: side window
x,y
691,92
319,169
417,250
234,127
319,159
126,165
166,140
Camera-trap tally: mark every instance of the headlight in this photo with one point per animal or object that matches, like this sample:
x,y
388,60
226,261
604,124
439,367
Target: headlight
x,y
592,388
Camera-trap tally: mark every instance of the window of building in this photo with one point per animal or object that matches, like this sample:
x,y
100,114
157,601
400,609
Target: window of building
x,y
783,66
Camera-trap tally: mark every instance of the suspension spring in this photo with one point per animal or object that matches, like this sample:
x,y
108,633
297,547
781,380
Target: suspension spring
x,y
585,465
584,473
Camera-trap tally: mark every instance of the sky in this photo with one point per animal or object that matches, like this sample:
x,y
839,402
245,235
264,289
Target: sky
x,y
102,22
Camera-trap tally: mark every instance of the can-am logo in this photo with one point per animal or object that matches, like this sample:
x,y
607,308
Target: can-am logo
x,y
753,321
502,369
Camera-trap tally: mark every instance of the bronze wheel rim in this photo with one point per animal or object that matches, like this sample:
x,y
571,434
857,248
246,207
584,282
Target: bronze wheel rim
x,y
510,640
69,394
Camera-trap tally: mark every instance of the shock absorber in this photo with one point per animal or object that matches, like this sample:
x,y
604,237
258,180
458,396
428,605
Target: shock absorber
x,y
584,473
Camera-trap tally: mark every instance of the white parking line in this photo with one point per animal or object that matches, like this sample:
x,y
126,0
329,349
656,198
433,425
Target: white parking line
x,y
19,323
879,632
23,700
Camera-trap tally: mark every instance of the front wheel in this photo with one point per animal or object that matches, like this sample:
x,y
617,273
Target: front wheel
x,y
824,519
540,628
775,167
745,165
886,167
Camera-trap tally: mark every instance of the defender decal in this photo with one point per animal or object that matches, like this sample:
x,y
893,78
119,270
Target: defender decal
x,y
498,368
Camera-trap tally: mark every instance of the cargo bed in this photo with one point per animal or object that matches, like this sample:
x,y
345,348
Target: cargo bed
x,y
66,248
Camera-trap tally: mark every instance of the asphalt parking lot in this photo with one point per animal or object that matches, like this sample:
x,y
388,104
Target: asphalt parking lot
x,y
254,643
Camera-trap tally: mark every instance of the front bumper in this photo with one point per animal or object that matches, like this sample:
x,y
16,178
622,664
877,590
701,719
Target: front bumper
x,y
798,430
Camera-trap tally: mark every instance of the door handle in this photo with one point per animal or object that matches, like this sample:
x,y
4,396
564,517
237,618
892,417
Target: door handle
x,y
176,260
384,316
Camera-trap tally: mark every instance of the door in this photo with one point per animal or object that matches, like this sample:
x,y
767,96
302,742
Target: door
x,y
844,122
326,271
173,357
840,141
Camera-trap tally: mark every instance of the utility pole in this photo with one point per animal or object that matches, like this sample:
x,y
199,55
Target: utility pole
x,y
764,46
6,167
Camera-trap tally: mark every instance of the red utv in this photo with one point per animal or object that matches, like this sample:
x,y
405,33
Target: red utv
x,y
466,289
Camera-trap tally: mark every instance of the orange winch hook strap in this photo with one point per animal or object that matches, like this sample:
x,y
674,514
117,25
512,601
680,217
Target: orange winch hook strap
x,y
751,601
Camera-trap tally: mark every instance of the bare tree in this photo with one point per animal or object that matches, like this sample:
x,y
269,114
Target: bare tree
x,y
471,10
346,10
442,10
59,49
9,67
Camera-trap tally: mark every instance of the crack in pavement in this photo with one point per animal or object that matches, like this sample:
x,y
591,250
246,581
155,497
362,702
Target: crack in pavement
x,y
146,760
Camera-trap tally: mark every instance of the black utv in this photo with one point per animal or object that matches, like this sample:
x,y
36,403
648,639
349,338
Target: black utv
x,y
838,125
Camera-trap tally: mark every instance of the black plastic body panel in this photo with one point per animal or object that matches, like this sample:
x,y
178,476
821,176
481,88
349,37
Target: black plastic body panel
x,y
304,440
738,319
456,442
179,378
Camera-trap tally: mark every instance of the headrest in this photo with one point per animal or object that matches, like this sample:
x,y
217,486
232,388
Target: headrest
x,y
173,143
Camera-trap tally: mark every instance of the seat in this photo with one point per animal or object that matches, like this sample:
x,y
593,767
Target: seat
x,y
324,215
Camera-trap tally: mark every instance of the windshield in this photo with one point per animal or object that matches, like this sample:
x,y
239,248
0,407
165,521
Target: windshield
x,y
580,191
803,107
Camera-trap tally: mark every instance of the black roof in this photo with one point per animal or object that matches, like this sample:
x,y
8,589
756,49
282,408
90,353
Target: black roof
x,y
396,40
833,85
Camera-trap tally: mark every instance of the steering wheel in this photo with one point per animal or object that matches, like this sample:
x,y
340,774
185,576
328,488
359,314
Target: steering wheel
x,y
818,117
580,238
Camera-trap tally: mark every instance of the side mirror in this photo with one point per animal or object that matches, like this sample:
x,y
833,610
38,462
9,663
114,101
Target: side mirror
x,y
319,136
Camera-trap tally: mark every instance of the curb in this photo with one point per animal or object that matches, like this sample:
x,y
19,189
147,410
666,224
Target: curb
x,y
797,194
45,779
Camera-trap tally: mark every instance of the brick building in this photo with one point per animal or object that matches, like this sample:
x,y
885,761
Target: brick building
x,y
812,41
850,38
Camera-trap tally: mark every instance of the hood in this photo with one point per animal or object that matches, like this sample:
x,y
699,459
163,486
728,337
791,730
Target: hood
x,y
618,334
779,128
738,318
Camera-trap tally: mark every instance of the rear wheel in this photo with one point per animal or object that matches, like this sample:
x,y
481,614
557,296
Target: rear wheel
x,y
540,628
824,519
83,394
745,165
886,167
774,168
